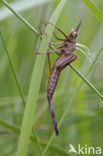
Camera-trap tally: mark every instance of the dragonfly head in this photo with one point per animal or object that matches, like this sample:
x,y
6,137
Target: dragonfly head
x,y
73,33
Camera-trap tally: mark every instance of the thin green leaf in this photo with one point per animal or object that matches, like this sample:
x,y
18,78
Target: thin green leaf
x,y
87,82
21,6
97,12
9,126
19,16
34,87
13,70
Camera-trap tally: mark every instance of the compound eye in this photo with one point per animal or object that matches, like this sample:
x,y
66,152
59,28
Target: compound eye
x,y
74,34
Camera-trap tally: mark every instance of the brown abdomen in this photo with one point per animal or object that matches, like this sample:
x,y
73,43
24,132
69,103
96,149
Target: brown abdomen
x,y
53,79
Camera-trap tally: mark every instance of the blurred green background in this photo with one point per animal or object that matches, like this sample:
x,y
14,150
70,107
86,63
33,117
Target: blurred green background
x,y
84,122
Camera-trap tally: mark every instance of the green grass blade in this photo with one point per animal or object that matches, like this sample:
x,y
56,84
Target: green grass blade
x,y
19,16
35,137
13,70
34,87
87,82
94,60
21,6
88,71
12,128
97,12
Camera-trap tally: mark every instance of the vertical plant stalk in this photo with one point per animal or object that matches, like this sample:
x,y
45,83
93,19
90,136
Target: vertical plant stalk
x,y
13,70
34,87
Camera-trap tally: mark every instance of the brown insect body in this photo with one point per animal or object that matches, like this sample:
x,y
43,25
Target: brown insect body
x,y
65,58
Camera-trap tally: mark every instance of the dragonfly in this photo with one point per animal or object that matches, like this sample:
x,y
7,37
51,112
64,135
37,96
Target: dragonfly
x,y
66,56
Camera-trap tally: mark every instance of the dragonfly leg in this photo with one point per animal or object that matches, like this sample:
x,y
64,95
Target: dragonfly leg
x,y
44,22
53,43
60,39
47,52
